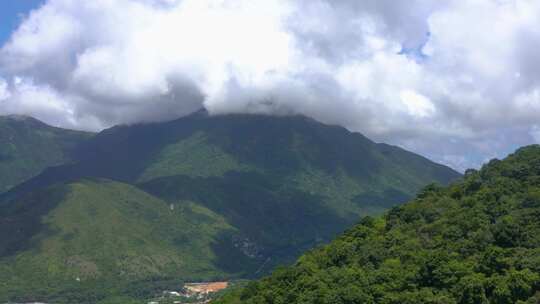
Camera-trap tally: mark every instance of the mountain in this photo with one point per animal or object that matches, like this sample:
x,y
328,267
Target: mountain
x,y
198,198
28,146
296,150
476,241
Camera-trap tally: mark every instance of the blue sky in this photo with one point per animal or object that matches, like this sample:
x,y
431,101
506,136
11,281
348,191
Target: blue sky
x,y
11,12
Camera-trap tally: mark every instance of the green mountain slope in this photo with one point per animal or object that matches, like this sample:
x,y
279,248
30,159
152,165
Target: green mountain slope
x,y
477,241
286,183
272,187
297,151
27,146
60,243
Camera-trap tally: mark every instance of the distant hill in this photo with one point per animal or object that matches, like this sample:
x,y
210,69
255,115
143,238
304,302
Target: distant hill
x,y
216,197
477,241
27,146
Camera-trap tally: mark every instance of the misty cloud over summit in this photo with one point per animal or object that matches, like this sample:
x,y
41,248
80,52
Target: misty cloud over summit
x,y
458,81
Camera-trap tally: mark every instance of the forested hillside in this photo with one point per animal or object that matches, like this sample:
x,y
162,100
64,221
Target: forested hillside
x,y
477,241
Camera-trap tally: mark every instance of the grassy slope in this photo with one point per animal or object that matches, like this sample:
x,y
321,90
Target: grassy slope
x,y
28,146
102,232
477,241
193,156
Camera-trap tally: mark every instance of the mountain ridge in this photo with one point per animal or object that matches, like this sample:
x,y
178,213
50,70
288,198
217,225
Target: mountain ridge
x,y
28,146
101,143
272,187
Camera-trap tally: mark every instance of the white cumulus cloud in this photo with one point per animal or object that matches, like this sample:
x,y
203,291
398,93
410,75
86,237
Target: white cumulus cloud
x,y
453,80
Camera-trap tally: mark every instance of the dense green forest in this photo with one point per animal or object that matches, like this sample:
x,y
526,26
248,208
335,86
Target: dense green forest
x,y
476,241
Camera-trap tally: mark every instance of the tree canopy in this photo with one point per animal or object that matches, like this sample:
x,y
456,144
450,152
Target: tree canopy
x,y
476,241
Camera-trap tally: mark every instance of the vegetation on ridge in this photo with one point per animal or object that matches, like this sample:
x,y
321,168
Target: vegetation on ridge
x,y
27,146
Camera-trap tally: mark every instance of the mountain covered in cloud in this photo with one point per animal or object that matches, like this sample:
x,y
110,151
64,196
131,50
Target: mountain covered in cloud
x,y
197,198
438,78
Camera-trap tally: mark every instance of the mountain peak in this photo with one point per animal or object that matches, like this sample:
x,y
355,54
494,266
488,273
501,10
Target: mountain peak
x,y
22,119
202,112
17,117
